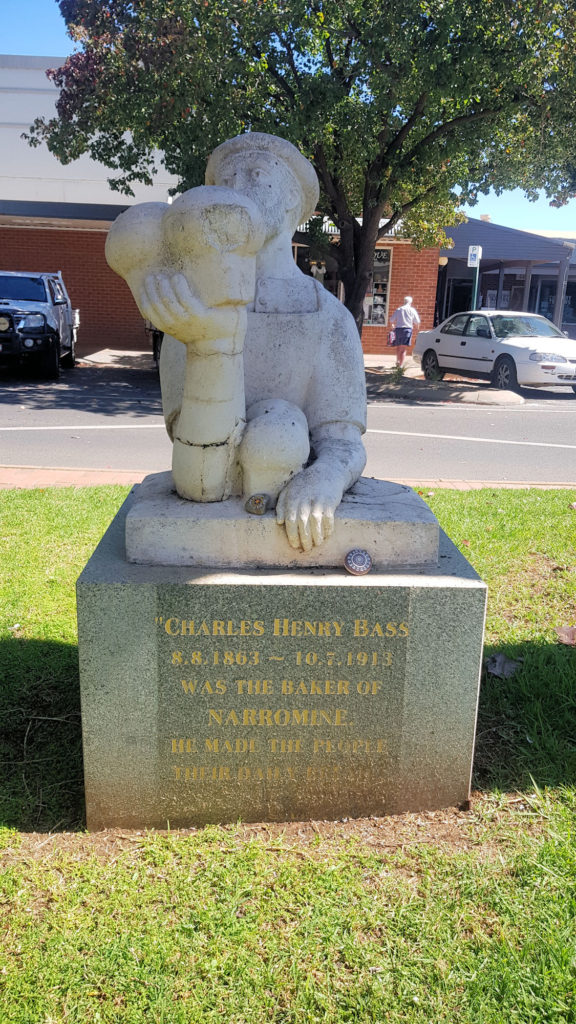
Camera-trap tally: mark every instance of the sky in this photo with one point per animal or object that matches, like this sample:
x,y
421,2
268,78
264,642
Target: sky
x,y
36,28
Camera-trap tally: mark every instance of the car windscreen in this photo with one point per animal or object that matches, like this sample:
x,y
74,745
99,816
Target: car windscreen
x,y
22,289
524,327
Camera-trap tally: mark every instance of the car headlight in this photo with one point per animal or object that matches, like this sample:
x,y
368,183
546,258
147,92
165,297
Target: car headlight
x,y
28,342
4,323
31,322
547,357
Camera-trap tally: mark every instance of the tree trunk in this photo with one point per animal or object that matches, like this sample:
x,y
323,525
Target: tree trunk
x,y
357,260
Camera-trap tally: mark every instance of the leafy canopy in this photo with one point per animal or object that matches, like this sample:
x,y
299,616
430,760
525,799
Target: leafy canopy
x,y
406,109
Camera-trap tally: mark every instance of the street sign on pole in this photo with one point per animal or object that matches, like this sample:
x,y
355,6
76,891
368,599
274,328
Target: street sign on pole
x,y
474,257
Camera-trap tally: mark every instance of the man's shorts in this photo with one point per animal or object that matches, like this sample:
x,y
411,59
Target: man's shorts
x,y
403,335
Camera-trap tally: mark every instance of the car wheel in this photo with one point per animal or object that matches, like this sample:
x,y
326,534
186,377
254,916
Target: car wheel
x,y
49,365
69,360
431,367
504,375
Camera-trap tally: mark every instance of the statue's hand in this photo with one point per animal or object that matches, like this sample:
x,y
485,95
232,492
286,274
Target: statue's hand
x,y
168,301
307,504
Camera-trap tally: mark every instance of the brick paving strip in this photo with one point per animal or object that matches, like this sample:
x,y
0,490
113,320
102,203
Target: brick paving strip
x,y
27,477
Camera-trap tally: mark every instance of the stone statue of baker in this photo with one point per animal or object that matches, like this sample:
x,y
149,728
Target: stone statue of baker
x,y
261,367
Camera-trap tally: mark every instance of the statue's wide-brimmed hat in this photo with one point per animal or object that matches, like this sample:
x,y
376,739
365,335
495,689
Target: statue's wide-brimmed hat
x,y
279,148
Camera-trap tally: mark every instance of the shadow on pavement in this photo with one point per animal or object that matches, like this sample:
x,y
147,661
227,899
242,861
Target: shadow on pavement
x,y
108,391
384,386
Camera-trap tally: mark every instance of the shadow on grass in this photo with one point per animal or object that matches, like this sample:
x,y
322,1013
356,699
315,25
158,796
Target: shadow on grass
x,y
527,724
526,729
41,787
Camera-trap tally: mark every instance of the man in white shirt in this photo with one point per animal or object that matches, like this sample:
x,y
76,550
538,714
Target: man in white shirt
x,y
403,320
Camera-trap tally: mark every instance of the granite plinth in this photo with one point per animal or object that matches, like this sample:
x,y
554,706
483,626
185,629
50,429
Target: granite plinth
x,y
274,695
389,520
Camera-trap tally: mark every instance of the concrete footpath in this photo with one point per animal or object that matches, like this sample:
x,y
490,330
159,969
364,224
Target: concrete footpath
x,y
29,477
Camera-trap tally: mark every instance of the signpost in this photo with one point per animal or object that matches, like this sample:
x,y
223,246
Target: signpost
x,y
474,257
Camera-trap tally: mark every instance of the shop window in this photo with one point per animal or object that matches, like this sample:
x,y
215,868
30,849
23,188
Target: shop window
x,y
377,294
546,298
569,314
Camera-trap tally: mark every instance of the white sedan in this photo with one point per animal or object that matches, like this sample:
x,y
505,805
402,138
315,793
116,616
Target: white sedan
x,y
508,349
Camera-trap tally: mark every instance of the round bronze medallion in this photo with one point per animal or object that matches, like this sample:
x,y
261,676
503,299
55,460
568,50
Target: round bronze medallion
x,y
257,504
358,562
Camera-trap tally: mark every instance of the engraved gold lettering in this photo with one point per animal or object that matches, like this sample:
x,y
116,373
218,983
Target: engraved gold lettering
x,y
258,628
201,773
192,686
318,687
357,746
285,746
251,686
184,746
366,686
218,628
240,745
187,627
171,626
322,774
282,716
324,746
300,717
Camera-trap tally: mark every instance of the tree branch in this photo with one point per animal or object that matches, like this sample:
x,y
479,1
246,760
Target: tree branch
x,y
447,128
284,85
398,140
291,61
398,215
337,201
329,52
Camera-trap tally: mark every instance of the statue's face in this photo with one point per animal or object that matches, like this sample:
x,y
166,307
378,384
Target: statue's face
x,y
268,182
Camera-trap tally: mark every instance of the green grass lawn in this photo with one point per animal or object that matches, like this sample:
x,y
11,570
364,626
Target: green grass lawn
x,y
439,917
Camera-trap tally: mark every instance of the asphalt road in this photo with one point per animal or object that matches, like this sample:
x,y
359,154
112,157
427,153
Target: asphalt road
x,y
111,419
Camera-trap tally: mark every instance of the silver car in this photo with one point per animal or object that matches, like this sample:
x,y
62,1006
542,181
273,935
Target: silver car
x,y
509,349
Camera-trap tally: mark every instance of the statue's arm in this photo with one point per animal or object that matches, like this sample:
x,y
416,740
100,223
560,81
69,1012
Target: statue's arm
x,y
307,504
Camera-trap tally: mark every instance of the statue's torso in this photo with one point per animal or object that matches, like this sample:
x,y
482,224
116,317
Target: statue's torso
x,y
301,345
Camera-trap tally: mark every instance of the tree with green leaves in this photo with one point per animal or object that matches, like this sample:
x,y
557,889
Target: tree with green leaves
x,y
406,109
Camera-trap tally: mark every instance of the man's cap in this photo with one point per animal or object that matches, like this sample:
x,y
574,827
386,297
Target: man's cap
x,y
281,149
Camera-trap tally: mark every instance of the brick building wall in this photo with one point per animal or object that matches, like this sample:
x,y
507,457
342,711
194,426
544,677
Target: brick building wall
x,y
109,317
411,273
